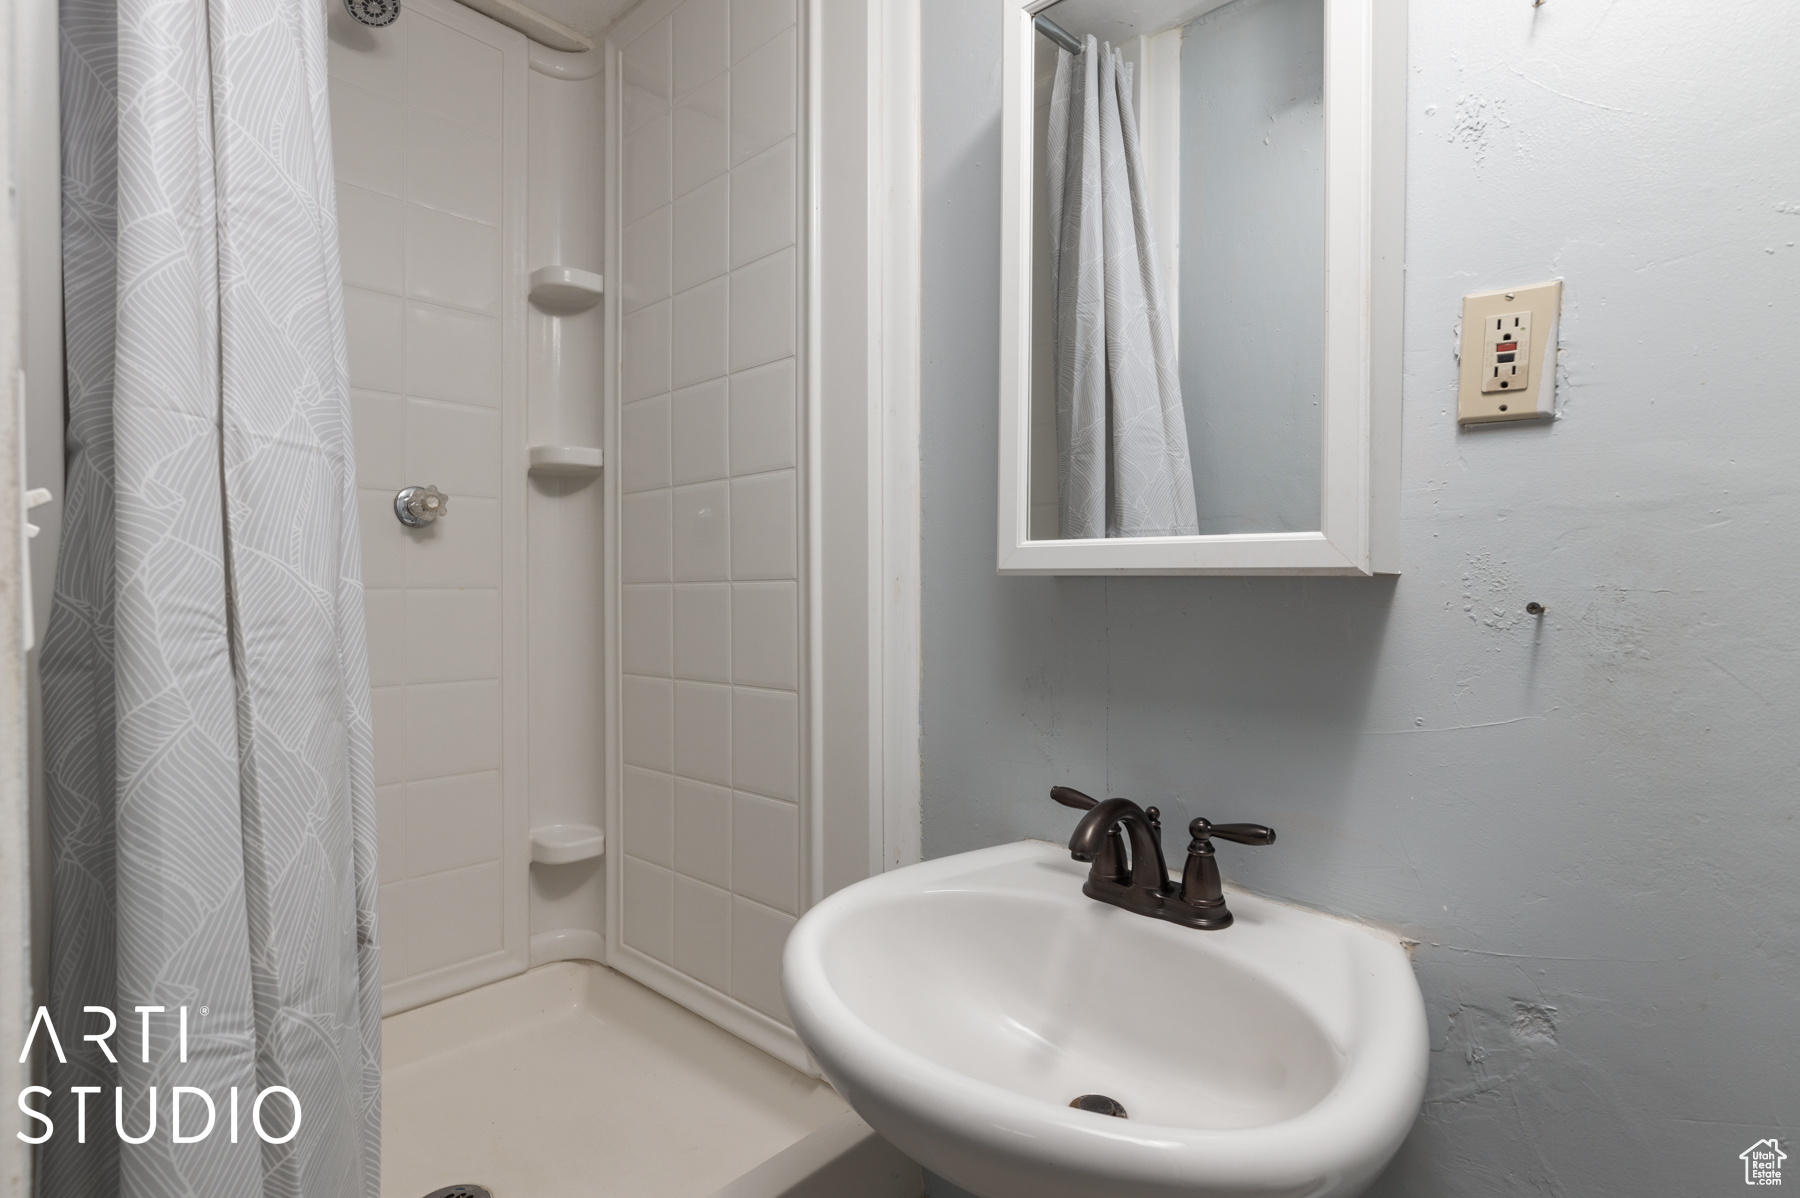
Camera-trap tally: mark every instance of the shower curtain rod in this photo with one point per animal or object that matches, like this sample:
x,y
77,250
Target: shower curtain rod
x,y
1056,33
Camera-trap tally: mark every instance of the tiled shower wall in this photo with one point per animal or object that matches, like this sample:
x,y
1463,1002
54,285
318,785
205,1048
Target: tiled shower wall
x,y
427,129
712,692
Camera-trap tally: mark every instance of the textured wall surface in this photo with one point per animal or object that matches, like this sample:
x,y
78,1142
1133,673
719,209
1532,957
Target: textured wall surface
x,y
1587,820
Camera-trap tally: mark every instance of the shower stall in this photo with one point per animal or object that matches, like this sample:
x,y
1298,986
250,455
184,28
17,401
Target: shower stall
x,y
608,382
630,307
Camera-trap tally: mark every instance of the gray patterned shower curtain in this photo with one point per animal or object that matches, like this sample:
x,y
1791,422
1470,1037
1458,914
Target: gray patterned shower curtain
x,y
206,709
1122,449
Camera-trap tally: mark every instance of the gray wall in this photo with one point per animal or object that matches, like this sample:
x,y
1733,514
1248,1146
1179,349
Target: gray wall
x,y
1588,820
1253,262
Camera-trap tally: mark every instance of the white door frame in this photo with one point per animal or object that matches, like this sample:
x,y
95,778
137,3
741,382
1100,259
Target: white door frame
x,y
864,304
863,231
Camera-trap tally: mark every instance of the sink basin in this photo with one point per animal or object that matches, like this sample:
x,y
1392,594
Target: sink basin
x,y
962,1004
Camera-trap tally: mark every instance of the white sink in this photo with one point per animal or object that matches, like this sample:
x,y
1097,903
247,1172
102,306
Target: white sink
x,y
961,1004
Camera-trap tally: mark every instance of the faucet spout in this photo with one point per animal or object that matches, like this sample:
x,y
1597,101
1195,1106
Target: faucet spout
x,y
1148,868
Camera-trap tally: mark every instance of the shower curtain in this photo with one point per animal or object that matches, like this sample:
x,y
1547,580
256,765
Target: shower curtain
x,y
206,709
1122,449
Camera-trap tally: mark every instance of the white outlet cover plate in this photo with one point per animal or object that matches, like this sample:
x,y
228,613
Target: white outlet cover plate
x,y
1537,399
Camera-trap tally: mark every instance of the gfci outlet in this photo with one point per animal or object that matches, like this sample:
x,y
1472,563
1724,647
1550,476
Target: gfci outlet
x,y
1509,354
1507,339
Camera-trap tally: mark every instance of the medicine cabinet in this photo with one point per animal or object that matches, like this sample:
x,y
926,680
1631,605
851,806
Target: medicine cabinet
x,y
1201,286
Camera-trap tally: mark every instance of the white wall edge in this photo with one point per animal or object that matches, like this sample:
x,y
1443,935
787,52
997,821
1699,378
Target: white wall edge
x,y
810,370
896,248
16,114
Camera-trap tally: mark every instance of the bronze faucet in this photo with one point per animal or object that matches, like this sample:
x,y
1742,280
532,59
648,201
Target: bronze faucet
x,y
1139,881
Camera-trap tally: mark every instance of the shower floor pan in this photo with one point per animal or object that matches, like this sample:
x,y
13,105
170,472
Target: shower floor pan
x,y
572,1081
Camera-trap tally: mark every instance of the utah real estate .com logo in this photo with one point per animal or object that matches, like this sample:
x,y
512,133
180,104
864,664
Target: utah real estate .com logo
x,y
1762,1163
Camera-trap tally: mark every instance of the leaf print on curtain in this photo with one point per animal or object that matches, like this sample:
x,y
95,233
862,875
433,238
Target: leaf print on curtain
x,y
1122,452
207,732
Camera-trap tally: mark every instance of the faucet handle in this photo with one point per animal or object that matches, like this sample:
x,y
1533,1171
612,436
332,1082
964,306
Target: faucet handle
x,y
1068,796
1202,829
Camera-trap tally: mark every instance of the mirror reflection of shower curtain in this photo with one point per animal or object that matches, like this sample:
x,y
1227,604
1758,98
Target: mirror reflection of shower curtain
x,y
208,758
1121,437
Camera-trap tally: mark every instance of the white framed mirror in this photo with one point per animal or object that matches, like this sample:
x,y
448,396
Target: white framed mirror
x,y
1201,284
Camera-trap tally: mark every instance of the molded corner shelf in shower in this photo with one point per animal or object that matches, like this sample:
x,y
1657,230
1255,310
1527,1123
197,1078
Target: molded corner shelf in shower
x,y
579,461
559,844
566,289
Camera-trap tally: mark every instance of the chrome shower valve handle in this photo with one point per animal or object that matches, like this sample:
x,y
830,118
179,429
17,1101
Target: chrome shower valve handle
x,y
418,507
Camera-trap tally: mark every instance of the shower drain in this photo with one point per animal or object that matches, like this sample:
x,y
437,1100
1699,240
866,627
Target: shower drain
x,y
462,1191
1099,1104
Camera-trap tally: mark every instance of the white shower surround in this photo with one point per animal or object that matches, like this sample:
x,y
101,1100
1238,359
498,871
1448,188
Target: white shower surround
x,y
467,157
716,618
553,399
852,110
429,138
565,588
463,869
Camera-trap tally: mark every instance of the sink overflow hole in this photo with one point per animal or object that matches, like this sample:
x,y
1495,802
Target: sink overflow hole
x,y
1099,1104
462,1191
